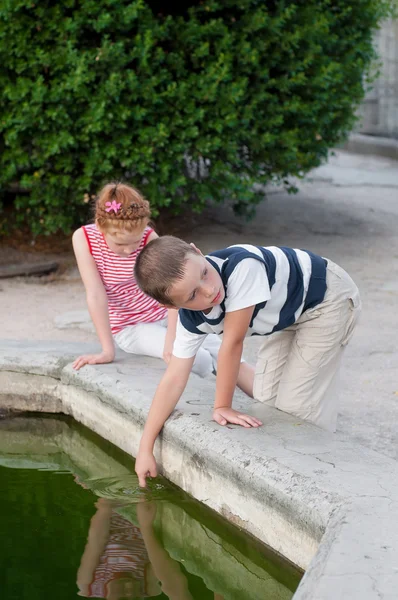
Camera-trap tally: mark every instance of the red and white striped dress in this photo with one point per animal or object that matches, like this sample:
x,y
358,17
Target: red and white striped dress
x,y
125,554
128,305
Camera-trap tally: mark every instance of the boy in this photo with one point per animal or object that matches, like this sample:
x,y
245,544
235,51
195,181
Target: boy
x,y
305,305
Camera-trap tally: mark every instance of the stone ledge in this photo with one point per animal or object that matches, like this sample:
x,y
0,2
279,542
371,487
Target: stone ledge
x,y
372,144
324,503
26,269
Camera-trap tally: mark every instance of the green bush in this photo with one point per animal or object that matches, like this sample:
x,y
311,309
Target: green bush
x,y
188,105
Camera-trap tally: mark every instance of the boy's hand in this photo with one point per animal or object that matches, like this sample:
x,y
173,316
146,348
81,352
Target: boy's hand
x,y
145,466
228,415
146,513
93,359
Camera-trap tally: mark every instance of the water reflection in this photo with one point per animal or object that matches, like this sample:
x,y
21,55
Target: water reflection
x,y
124,488
135,544
122,560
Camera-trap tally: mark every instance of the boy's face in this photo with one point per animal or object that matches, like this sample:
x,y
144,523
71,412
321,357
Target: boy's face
x,y
201,288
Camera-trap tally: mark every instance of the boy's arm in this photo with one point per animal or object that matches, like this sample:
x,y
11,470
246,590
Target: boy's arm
x,y
167,570
236,324
97,302
166,397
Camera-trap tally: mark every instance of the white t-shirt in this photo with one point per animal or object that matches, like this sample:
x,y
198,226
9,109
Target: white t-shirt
x,y
279,282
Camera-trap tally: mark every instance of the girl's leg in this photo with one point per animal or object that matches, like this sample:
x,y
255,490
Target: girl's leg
x,y
147,339
206,359
203,365
307,388
211,346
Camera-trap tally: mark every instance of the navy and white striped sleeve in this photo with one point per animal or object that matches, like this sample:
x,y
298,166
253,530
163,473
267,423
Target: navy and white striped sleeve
x,y
187,343
247,285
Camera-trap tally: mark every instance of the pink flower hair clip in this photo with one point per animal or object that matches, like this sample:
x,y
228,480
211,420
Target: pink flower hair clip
x,y
113,206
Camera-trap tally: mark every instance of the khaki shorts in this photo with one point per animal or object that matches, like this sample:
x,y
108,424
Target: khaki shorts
x,y
297,367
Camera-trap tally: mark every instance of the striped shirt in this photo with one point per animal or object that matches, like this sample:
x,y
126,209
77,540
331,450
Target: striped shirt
x,y
124,555
127,304
281,283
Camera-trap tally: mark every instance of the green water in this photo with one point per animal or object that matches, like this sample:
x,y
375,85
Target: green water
x,y
73,522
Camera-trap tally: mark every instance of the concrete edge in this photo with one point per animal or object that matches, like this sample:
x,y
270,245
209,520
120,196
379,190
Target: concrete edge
x,y
325,504
359,143
212,478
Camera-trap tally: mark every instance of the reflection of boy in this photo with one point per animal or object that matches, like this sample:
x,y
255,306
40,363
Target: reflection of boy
x,y
168,572
115,563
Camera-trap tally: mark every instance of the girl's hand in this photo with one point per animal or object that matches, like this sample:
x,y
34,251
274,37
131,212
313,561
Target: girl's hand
x,y
228,415
145,466
94,359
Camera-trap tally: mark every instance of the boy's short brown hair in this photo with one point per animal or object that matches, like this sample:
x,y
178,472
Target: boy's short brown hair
x,y
160,264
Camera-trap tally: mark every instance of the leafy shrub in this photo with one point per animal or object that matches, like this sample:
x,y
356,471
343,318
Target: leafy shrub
x,y
186,104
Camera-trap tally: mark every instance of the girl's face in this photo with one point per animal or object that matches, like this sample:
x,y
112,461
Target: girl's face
x,y
123,242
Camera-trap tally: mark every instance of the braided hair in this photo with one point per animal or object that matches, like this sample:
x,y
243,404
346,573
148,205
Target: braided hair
x,y
120,206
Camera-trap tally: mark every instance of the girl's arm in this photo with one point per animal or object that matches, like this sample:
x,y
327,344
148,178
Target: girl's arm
x,y
97,539
97,302
152,236
172,317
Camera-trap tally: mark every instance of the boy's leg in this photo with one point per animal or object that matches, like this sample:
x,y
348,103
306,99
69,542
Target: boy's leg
x,y
306,389
245,380
271,360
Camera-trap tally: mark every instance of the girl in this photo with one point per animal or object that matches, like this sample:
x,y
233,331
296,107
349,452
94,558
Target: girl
x,y
106,252
122,560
